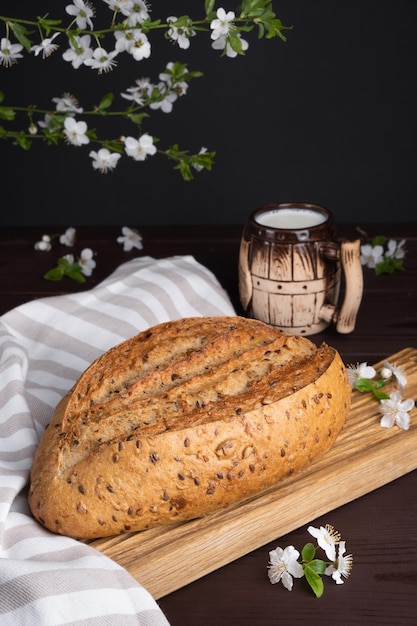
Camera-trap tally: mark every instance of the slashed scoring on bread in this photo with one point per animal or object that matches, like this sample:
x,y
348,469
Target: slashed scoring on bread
x,y
185,418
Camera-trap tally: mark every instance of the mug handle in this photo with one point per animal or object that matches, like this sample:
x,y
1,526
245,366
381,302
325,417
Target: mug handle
x,y
345,318
245,279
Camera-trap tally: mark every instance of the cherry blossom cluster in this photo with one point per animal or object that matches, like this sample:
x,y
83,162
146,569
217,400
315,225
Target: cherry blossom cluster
x,y
393,406
286,564
82,267
100,49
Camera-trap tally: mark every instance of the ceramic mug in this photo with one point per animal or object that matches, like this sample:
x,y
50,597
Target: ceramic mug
x,y
290,270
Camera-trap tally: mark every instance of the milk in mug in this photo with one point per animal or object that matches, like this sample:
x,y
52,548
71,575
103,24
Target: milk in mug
x,y
291,218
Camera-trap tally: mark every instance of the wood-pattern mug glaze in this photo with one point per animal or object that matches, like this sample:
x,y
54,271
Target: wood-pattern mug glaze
x,y
290,269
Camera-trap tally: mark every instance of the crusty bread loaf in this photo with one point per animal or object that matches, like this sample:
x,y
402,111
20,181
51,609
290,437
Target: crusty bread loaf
x,y
182,419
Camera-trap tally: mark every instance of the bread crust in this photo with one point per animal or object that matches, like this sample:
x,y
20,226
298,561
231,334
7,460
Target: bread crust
x,y
183,419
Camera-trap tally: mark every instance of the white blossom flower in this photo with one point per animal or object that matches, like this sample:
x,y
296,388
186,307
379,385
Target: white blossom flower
x,y
394,370
46,47
9,52
123,39
283,566
395,249
79,51
180,34
165,104
371,255
86,261
102,60
180,88
67,104
395,411
139,46
327,538
68,238
221,43
223,23
137,12
130,239
124,6
50,122
341,566
83,12
44,244
135,42
75,132
104,160
140,92
358,371
139,149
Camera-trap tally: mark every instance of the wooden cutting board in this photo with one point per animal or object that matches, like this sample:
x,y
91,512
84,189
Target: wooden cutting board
x,y
364,457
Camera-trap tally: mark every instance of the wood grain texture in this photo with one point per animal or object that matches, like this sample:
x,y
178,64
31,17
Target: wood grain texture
x,y
364,458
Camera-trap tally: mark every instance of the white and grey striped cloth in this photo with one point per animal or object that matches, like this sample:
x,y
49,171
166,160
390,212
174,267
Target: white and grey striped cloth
x,y
46,579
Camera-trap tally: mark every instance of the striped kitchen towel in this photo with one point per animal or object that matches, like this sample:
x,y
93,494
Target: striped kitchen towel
x,y
45,344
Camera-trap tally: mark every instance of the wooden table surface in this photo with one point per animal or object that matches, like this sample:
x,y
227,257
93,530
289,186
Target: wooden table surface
x,y
380,528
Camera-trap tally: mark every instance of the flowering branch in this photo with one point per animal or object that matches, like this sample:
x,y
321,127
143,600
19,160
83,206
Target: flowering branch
x,y
285,564
128,33
383,255
394,408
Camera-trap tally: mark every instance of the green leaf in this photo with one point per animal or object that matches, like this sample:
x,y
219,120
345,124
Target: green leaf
x,y
54,274
20,32
52,138
63,264
389,265
75,274
137,118
315,581
148,25
106,102
209,6
194,74
318,566
235,43
185,170
23,141
113,146
308,552
364,384
379,240
6,113
250,7
91,133
380,395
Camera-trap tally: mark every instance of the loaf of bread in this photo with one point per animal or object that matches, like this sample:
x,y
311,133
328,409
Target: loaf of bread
x,y
185,418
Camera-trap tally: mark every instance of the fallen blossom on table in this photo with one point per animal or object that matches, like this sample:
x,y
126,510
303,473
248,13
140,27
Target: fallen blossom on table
x,y
285,564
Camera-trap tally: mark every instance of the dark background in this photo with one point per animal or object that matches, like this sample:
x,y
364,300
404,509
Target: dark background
x,y
327,117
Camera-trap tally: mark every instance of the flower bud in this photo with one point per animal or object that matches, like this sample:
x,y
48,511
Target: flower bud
x,y
386,373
